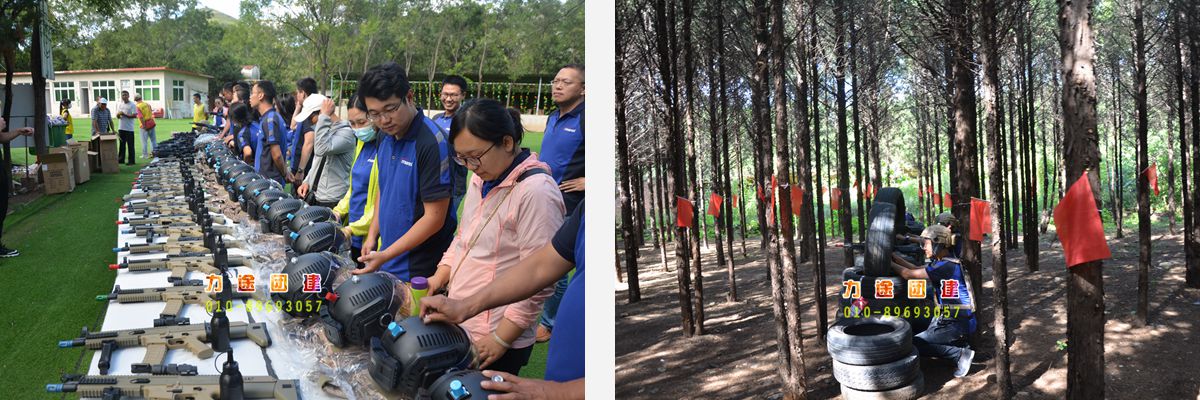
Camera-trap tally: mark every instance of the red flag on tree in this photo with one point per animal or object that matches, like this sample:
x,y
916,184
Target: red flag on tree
x,y
981,219
714,205
683,212
797,199
1078,223
937,200
733,201
835,199
920,192
760,192
929,190
947,201
1152,176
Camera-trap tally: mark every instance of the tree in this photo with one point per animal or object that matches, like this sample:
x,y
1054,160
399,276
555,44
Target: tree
x,y
627,226
991,34
1143,183
1085,286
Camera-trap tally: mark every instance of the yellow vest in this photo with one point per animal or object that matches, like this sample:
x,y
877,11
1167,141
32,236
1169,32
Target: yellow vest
x,y
198,114
362,225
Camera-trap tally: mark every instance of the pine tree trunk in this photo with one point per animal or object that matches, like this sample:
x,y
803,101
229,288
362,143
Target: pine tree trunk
x,y
990,60
1193,264
627,226
1143,184
678,174
690,140
1085,286
818,184
964,139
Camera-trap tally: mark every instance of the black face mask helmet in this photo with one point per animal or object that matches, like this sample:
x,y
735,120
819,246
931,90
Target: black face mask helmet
x,y
309,215
321,236
360,308
274,215
298,302
410,355
254,206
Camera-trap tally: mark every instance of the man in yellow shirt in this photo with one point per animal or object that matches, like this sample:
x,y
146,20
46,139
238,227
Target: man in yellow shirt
x,y
199,113
146,118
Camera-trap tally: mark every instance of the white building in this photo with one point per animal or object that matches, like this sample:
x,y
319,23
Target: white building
x,y
168,90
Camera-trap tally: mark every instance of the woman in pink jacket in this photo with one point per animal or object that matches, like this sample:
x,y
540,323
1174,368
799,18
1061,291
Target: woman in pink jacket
x,y
512,208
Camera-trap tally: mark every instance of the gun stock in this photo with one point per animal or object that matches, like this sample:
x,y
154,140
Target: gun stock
x,y
172,387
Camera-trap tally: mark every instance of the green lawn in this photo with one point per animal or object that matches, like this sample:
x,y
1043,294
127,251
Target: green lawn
x,y
51,288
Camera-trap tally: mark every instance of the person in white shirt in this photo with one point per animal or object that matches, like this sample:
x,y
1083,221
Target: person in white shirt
x,y
126,115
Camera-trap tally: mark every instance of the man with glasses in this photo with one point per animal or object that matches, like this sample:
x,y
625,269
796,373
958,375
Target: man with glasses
x,y
562,149
413,224
269,162
454,90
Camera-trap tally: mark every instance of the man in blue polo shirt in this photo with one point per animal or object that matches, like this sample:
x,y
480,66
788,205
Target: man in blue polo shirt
x,y
565,360
413,223
562,149
269,161
454,90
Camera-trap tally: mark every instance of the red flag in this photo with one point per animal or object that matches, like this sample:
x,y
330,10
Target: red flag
x,y
760,193
835,199
771,214
733,201
937,200
920,192
1152,175
929,190
797,199
870,190
1079,228
981,219
774,185
714,205
683,212
947,201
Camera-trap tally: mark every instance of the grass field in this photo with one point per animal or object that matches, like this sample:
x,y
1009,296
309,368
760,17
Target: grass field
x,y
65,242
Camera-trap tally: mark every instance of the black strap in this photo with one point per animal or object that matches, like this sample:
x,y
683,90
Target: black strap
x,y
531,172
312,191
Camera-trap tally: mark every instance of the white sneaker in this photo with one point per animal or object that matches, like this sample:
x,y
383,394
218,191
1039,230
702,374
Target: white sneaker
x,y
964,362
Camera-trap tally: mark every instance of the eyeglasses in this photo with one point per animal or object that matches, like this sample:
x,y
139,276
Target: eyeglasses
x,y
389,111
472,162
564,82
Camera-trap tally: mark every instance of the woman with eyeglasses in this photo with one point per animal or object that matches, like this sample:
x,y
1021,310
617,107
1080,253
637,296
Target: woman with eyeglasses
x,y
357,207
511,209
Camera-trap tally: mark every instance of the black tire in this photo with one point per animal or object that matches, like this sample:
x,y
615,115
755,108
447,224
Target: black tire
x,y
892,375
852,273
910,391
895,197
881,239
869,341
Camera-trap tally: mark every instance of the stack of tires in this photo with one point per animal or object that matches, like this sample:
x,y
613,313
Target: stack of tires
x,y
873,358
885,220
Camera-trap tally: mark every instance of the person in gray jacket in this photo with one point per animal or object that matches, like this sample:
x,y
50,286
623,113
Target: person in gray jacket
x,y
333,153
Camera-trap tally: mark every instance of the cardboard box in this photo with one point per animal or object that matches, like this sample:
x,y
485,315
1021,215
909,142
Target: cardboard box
x,y
109,163
58,171
83,173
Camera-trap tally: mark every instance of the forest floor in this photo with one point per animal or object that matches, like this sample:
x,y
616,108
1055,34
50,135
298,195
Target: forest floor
x,y
737,356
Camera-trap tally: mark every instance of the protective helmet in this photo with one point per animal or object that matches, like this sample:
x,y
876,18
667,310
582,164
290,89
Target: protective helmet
x,y
946,219
939,235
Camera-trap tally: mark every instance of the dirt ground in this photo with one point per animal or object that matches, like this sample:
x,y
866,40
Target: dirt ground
x,y
736,358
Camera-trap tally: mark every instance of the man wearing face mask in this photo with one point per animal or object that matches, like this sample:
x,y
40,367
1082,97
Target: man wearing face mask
x,y
333,152
357,208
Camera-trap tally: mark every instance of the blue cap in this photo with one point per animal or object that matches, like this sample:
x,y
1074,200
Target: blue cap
x,y
290,216
116,249
54,388
62,344
266,206
395,329
256,192
457,391
293,235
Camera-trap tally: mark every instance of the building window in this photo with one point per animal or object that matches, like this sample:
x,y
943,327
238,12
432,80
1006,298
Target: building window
x,y
104,89
64,91
148,88
177,93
